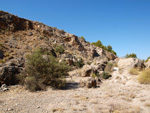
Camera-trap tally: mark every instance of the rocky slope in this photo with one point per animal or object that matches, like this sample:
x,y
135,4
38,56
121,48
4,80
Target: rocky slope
x,y
19,37
119,94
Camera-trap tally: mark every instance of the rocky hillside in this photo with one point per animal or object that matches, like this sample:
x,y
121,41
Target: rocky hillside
x,y
87,90
19,37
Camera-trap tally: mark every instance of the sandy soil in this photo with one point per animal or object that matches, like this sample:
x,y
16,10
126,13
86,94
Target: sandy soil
x,y
120,94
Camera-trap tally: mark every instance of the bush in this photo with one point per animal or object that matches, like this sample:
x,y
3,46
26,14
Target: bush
x,y
41,70
147,59
144,77
133,55
82,38
108,48
59,49
98,44
134,71
106,75
79,63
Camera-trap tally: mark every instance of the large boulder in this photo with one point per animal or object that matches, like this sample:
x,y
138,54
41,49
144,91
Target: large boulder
x,y
89,83
8,74
97,66
86,71
128,63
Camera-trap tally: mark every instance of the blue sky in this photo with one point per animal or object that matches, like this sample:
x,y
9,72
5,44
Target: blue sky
x,y
123,24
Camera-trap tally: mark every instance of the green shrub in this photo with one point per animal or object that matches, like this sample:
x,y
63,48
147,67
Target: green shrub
x,y
59,49
144,77
43,70
79,63
82,38
147,59
100,45
134,71
106,75
109,48
133,55
112,51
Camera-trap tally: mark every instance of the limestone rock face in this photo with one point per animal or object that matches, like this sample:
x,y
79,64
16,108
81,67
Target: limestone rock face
x,y
13,23
128,63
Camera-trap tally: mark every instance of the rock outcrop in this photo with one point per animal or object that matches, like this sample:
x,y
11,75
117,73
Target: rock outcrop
x,y
128,63
8,73
89,83
97,66
20,37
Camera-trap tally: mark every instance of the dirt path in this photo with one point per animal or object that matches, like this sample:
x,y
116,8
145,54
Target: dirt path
x,y
120,94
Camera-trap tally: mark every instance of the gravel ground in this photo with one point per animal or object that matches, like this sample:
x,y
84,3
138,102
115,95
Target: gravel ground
x,y
120,94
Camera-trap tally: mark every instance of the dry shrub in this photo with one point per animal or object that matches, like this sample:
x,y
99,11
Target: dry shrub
x,y
109,67
144,77
134,71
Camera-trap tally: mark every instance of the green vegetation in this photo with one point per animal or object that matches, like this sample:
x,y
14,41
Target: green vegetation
x,y
1,45
106,75
93,75
2,61
41,70
133,55
79,63
60,49
134,71
82,38
147,59
107,48
144,77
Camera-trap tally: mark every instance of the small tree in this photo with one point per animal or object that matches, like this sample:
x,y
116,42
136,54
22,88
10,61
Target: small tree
x,y
98,44
43,69
109,48
82,38
133,55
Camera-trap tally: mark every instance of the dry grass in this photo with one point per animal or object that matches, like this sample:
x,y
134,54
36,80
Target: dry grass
x,y
109,67
81,98
134,71
120,108
144,77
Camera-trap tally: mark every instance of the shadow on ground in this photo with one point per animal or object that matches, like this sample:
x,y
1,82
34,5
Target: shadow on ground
x,y
72,85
